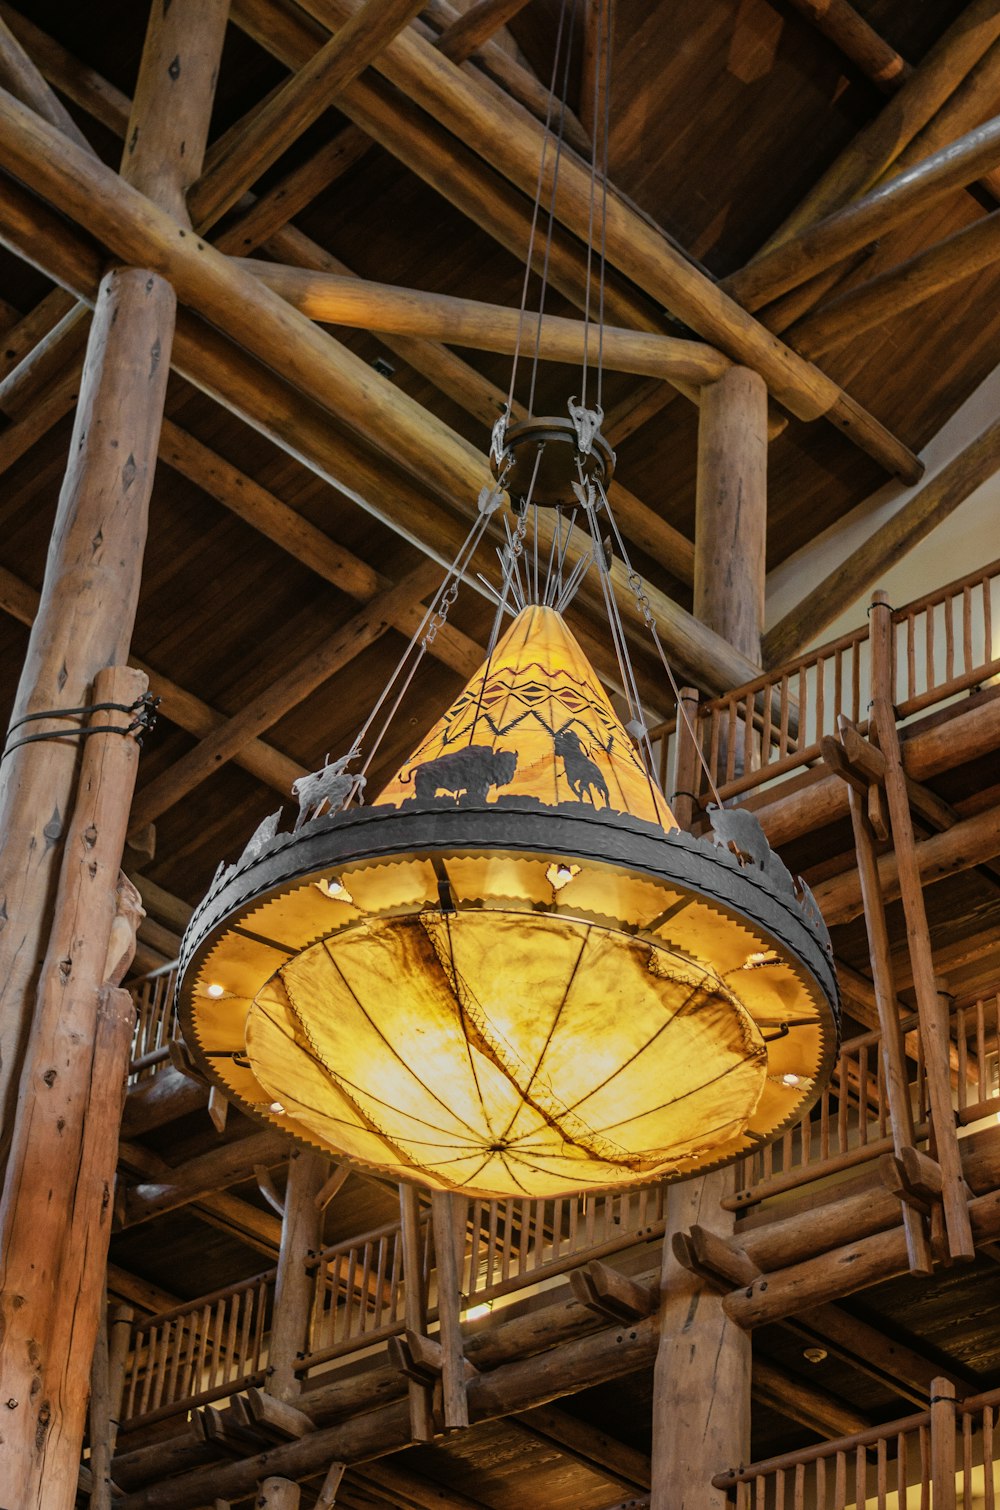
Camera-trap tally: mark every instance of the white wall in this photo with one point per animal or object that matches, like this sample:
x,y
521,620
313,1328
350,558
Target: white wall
x,y
969,538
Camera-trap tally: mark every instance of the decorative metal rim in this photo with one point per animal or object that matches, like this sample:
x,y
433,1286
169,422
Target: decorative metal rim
x,y
381,834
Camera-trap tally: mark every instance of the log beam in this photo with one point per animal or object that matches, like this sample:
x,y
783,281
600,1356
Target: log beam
x,y
252,145
836,236
352,301
858,41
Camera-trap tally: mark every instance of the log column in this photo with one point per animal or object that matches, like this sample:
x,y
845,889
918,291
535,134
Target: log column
x,y
731,509
701,1395
84,621
301,1235
58,1197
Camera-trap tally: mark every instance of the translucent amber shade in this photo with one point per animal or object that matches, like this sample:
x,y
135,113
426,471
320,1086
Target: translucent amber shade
x,y
512,975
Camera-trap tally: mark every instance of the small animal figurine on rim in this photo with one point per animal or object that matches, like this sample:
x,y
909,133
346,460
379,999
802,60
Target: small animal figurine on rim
x,y
329,788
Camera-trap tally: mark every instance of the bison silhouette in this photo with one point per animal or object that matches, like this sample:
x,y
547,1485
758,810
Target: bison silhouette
x,y
467,773
583,775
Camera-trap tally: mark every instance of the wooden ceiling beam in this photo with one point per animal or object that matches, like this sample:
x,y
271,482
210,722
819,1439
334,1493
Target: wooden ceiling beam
x,y
137,228
357,302
923,511
299,538
239,157
826,242
637,248
806,1404
76,80
227,1164
594,1448
482,20
180,706
858,41
21,76
877,146
908,284
291,688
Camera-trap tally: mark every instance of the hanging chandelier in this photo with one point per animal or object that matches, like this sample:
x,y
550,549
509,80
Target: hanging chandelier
x,y
511,973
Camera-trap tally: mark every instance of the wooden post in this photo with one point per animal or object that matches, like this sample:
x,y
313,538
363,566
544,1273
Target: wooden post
x,y
731,509
445,1209
415,1306
168,127
934,1030
893,1052
278,1494
943,1465
301,1235
687,767
701,1381
55,1215
84,620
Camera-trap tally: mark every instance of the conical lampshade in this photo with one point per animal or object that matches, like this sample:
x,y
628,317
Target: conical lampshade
x,y
512,974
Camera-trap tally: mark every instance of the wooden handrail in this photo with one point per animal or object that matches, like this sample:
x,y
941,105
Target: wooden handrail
x,y
190,1306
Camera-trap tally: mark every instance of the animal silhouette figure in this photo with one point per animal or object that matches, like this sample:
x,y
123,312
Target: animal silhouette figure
x,y
465,773
583,775
739,828
329,787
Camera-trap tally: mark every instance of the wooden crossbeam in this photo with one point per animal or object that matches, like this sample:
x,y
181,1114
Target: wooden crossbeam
x,y
858,41
354,301
239,157
481,21
227,1164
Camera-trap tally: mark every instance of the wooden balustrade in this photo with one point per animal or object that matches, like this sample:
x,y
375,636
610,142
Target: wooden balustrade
x,y
947,1455
848,1125
977,1036
772,726
155,1022
199,1352
518,1242
358,1295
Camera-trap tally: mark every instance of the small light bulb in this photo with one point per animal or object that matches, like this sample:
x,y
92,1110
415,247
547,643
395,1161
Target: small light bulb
x,y
560,875
215,990
815,1354
790,1078
335,889
277,1108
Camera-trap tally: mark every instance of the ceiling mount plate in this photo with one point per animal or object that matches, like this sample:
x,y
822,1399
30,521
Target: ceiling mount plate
x,y
548,451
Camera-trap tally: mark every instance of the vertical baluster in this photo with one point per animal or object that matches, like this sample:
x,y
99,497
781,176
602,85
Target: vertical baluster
x,y
966,1419
131,1378
351,1292
765,738
714,731
748,761
380,1268
365,1289
508,1236
491,1246
731,740
948,609
574,1220
779,1490
530,1212
963,1061
820,1471
217,1359
902,1466
805,1138
478,1208
925,1467
911,656
856,682
803,735
883,1094
395,1288
767,1161
929,647
232,1312
783,735
860,1475
881,1473
863,1094
259,1308
824,1125
787,1151
173,1371
245,1307
760,1494
842,1084
799,1500
161,1363
204,1345
968,656
743,1496
147,1382
838,686
987,621
981,1041
989,1497
821,698
557,1221
840,1481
